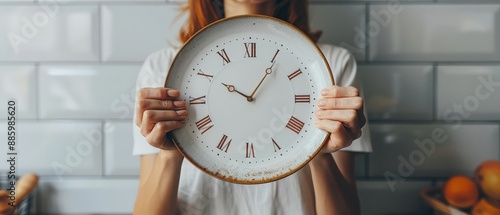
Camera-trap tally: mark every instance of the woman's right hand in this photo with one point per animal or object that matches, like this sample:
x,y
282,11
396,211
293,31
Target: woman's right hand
x,y
158,112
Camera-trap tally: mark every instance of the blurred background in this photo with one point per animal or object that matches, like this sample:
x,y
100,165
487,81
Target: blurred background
x,y
431,73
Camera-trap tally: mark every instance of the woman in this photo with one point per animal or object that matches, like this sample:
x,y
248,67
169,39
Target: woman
x,y
325,186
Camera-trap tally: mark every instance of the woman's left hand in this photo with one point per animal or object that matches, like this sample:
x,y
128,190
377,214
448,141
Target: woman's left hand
x,y
341,114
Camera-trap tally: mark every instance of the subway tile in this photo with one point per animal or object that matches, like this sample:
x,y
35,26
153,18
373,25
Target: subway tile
x,y
118,144
339,24
87,196
57,148
435,33
468,93
406,92
19,83
413,150
87,91
405,198
154,27
49,33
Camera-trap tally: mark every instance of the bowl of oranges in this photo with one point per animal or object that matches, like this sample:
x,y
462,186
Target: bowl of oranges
x,y
461,194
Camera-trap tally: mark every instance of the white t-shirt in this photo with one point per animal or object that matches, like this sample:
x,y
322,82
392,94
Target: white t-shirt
x,y
200,193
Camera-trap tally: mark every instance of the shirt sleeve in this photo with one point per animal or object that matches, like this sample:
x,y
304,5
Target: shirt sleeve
x,y
153,74
344,68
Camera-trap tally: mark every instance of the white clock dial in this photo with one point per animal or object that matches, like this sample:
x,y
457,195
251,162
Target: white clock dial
x,y
252,84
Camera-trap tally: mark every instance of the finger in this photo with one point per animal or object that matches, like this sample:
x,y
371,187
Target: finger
x,y
151,117
5,209
348,118
339,137
158,93
157,137
155,104
355,103
339,92
362,118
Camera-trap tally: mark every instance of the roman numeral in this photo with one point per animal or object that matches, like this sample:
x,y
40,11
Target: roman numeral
x,y
250,152
302,98
197,101
294,74
275,145
272,61
209,77
295,125
204,124
222,53
223,146
251,50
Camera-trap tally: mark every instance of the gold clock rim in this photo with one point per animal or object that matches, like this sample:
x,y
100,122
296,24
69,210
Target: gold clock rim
x,y
256,181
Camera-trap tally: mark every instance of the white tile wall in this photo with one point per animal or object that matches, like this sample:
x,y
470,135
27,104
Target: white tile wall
x,y
18,82
377,198
436,33
75,75
154,27
118,144
407,92
58,148
49,33
468,92
325,18
87,91
457,149
87,196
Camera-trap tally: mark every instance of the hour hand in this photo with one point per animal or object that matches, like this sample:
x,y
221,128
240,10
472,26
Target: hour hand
x,y
231,89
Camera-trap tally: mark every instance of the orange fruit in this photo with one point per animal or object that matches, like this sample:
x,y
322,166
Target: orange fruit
x,y
487,176
483,207
460,191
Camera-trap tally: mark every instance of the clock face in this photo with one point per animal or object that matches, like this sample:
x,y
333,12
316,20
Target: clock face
x,y
251,84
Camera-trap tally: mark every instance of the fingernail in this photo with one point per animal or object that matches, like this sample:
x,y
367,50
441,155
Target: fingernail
x,y
316,121
180,103
324,92
173,93
321,103
319,112
182,112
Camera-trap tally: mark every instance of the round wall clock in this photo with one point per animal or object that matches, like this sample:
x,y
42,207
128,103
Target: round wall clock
x,y
251,84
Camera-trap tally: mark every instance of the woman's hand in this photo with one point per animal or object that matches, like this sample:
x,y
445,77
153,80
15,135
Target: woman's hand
x,y
340,113
158,112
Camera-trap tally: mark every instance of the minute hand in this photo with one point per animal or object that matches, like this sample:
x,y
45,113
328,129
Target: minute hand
x,y
268,71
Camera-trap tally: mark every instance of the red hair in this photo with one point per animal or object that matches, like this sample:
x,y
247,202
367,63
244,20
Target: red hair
x,y
203,12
